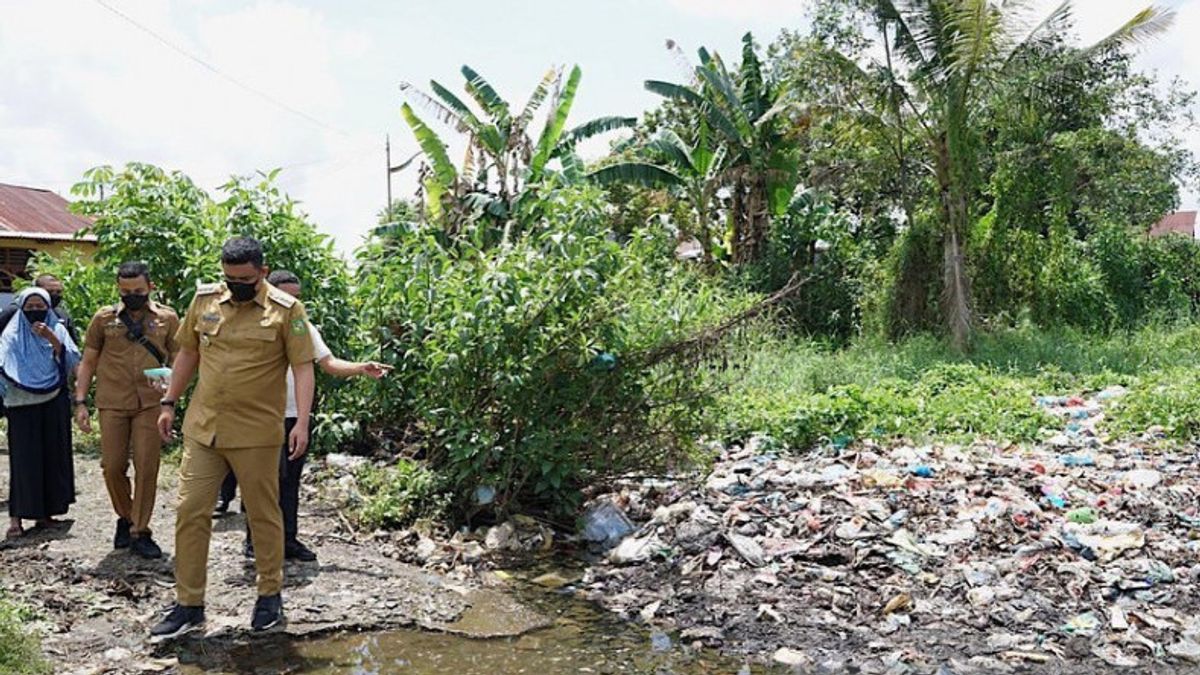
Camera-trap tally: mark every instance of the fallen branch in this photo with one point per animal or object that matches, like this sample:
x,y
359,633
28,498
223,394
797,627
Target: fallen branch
x,y
708,337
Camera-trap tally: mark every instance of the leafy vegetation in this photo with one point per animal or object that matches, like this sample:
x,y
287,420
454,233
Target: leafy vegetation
x,y
534,368
399,494
20,650
801,394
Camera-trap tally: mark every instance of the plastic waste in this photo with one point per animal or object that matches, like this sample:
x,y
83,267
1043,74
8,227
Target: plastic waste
x,y
606,524
1083,624
604,361
1084,515
1077,459
922,471
660,641
1142,479
485,494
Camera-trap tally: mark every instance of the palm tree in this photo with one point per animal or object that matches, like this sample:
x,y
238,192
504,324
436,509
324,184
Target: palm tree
x,y
502,159
741,146
946,52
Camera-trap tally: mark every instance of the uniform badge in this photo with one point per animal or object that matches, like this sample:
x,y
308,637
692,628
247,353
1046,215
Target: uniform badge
x,y
210,317
299,327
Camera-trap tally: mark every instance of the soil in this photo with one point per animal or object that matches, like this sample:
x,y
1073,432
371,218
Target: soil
x,y
95,605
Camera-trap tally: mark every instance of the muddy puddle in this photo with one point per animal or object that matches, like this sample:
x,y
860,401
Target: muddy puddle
x,y
577,637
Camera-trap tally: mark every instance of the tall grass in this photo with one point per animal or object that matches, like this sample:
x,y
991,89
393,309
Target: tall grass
x,y
801,392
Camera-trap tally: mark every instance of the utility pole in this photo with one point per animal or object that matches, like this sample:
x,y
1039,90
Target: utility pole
x,y
387,147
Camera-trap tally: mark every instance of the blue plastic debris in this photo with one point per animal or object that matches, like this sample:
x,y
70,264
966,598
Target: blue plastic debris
x,y
1077,459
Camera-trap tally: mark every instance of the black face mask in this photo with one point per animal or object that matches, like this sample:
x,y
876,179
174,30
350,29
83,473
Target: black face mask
x,y
242,292
55,299
36,315
135,301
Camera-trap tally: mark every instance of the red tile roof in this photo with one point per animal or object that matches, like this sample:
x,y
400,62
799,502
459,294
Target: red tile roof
x,y
36,212
1182,222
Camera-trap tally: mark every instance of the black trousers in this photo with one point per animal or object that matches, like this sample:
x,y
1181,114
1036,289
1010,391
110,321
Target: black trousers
x,y
290,471
41,477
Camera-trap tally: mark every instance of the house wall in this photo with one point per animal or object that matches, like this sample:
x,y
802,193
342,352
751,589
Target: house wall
x,y
53,247
87,248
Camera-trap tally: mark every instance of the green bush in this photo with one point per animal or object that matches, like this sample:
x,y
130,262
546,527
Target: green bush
x,y
20,650
397,495
142,212
544,363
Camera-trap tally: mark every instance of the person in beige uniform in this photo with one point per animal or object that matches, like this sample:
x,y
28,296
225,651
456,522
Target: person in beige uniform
x,y
242,335
122,342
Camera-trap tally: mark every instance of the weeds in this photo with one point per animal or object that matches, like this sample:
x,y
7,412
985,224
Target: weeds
x,y
800,393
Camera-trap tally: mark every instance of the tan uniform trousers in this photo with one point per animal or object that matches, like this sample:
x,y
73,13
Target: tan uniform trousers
x,y
125,434
200,476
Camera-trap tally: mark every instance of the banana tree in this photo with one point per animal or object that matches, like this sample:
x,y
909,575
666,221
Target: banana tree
x,y
502,159
750,121
946,54
694,171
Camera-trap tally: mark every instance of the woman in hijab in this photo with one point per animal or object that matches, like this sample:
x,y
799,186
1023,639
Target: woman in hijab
x,y
36,353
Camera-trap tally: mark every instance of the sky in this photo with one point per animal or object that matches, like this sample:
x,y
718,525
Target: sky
x,y
216,88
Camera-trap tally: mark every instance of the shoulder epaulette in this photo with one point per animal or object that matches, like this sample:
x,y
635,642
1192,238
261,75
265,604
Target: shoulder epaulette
x,y
279,297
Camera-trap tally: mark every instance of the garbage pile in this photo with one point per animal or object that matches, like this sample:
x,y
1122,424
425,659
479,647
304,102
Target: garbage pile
x,y
1076,555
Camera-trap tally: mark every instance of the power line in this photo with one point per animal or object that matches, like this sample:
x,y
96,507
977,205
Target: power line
x,y
217,71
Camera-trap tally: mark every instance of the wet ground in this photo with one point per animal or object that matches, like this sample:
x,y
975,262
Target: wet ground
x,y
356,610
580,639
94,605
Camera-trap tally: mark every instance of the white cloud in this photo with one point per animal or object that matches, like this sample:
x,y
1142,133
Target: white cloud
x,y
83,87
741,9
95,89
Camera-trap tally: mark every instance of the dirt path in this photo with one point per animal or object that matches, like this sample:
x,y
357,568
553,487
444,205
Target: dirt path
x,y
96,605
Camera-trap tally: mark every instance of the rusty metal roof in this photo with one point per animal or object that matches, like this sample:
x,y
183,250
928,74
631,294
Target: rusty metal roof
x,y
37,213
1181,222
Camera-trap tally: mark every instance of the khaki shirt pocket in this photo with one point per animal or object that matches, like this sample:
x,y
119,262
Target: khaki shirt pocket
x,y
264,339
206,332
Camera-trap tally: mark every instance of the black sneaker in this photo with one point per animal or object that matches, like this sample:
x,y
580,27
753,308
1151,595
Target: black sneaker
x,y
179,621
122,538
221,508
146,548
248,548
268,612
294,550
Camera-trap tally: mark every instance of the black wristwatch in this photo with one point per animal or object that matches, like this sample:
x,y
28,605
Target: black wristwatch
x,y
167,403
80,401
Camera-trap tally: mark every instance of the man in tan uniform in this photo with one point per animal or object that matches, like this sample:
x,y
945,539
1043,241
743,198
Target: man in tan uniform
x,y
242,335
122,342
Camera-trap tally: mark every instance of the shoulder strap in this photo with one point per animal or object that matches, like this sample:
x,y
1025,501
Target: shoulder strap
x,y
134,332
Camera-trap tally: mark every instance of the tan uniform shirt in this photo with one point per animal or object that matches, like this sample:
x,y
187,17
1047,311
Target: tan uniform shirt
x,y
121,383
245,350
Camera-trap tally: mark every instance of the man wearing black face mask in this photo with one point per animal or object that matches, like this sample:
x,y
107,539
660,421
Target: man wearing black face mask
x,y
122,342
241,336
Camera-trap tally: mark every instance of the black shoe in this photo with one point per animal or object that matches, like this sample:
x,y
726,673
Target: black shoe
x,y
221,508
268,612
146,548
294,550
179,621
122,538
248,548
